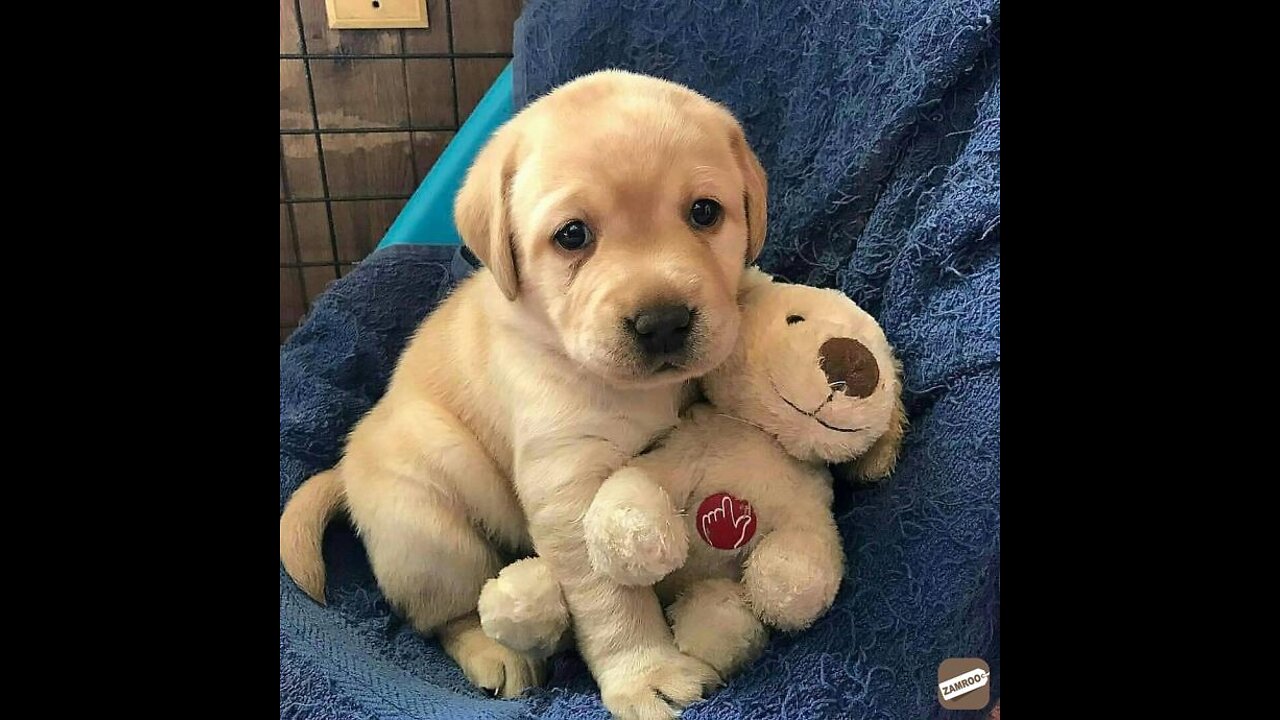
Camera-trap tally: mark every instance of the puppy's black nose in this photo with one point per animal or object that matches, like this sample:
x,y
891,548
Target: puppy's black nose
x,y
661,330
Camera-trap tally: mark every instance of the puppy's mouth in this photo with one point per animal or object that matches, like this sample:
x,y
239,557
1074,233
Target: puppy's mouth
x,y
814,414
634,372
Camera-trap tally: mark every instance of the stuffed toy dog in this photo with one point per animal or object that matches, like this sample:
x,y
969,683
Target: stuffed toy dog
x,y
730,514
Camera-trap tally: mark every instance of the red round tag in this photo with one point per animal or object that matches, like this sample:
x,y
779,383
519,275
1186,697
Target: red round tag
x,y
725,522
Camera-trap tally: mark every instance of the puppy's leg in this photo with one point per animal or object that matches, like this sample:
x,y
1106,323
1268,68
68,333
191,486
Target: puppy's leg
x,y
418,490
713,621
627,643
431,563
621,631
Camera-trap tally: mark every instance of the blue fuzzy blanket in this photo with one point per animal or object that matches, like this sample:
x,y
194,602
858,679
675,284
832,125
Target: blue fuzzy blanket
x,y
879,124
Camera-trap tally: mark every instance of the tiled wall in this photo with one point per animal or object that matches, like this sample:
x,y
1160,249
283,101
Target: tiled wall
x,y
363,116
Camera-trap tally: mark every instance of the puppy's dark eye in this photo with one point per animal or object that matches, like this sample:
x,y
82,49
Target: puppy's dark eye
x,y
793,319
575,235
705,212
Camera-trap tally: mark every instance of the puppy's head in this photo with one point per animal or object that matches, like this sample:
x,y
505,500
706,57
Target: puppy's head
x,y
619,212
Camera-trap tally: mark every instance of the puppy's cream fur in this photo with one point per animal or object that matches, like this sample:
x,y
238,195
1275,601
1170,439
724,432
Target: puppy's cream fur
x,y
777,416
522,392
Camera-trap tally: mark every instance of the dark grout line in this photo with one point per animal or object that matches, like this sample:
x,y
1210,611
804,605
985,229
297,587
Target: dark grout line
x,y
369,130
354,198
315,119
293,232
395,56
316,264
408,111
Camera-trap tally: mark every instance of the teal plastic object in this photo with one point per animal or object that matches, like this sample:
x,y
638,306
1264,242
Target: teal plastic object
x,y
427,219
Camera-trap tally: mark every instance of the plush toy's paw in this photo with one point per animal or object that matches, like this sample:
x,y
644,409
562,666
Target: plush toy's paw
x,y
524,609
655,685
633,534
712,621
792,579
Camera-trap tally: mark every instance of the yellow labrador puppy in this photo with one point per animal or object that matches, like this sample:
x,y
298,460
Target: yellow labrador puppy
x,y
615,217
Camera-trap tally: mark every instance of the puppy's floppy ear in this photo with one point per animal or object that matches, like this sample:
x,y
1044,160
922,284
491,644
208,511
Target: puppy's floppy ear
x,y
882,456
480,210
756,193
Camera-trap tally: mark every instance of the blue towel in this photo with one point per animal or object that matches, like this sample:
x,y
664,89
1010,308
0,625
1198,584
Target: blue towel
x,y
879,125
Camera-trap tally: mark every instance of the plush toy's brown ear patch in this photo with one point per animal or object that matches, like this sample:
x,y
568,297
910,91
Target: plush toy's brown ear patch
x,y
848,362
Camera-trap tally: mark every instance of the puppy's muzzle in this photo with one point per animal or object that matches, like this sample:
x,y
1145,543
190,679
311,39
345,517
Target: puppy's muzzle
x,y
661,330
849,366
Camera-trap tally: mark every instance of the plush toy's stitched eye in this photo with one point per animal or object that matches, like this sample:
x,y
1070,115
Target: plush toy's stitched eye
x,y
793,319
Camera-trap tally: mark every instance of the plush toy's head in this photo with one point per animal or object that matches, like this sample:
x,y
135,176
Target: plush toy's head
x,y
814,370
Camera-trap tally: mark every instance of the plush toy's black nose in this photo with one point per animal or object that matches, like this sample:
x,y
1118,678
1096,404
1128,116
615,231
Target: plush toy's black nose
x,y
849,362
661,330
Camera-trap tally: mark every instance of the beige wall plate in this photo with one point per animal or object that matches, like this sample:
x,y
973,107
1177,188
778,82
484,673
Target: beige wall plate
x,y
366,14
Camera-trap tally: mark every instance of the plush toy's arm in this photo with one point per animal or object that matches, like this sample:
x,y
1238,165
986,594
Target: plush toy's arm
x,y
793,574
523,608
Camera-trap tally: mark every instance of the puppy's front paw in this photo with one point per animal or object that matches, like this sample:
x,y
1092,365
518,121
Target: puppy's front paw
x,y
634,545
655,686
